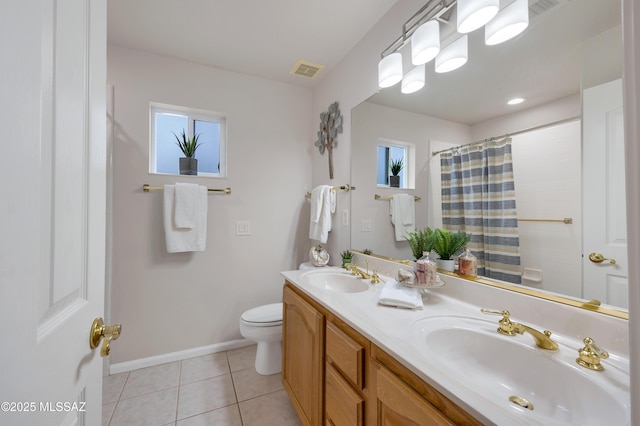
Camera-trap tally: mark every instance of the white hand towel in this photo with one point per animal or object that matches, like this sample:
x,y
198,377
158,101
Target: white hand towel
x,y
186,201
395,294
185,239
323,205
402,211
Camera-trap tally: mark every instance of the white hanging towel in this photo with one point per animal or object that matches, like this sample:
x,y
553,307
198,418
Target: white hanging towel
x,y
181,239
403,214
186,202
400,296
323,205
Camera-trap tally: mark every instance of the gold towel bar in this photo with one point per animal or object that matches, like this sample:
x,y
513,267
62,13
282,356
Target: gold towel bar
x,y
566,220
345,188
146,188
388,197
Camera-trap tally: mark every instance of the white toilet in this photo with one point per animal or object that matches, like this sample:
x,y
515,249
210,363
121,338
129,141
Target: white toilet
x,y
263,325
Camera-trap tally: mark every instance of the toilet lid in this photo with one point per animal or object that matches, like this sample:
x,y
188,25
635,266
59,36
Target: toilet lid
x,y
264,315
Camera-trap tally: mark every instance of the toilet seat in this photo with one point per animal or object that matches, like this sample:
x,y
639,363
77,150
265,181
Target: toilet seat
x,y
264,316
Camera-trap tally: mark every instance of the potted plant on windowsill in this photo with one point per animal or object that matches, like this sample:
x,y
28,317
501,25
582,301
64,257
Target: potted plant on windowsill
x,y
188,146
396,168
446,244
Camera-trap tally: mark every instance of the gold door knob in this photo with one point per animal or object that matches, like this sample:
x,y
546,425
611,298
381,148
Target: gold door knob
x,y
598,257
99,331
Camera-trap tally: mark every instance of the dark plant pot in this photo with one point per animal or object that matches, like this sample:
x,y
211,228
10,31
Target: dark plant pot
x,y
394,181
188,166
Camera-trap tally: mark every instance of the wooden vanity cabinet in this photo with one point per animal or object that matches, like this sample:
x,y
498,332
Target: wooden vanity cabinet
x,y
402,398
346,354
303,356
335,376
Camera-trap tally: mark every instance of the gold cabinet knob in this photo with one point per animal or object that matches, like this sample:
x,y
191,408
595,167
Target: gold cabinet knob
x,y
598,257
99,331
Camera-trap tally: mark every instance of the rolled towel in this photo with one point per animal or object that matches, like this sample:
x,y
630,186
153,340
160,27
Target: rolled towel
x,y
395,294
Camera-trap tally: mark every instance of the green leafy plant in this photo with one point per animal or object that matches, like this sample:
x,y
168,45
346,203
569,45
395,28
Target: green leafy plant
x,y
446,243
366,251
420,241
396,166
346,255
187,145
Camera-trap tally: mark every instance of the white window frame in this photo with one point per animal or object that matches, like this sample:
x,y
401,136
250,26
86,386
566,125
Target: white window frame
x,y
192,114
409,161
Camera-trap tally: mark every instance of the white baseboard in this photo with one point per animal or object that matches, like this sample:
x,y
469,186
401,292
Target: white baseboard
x,y
123,367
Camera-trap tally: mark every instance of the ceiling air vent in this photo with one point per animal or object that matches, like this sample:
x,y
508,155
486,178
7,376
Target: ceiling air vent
x,y
537,7
306,69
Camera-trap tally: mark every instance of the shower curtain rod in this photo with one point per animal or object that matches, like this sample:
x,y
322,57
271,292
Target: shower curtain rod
x,y
507,135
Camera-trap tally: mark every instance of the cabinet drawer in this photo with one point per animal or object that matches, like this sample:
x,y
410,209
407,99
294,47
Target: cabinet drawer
x,y
346,355
343,405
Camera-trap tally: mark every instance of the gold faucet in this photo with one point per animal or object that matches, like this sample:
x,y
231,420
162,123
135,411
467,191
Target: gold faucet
x,y
590,356
357,271
510,328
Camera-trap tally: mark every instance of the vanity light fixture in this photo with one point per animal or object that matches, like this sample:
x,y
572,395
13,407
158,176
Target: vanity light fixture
x,y
508,23
390,70
453,56
472,14
516,101
423,31
425,42
413,80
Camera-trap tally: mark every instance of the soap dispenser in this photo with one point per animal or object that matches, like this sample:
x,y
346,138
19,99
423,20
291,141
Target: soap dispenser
x,y
426,270
468,264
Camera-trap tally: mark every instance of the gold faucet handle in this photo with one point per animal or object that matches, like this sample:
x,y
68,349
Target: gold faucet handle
x,y
353,268
506,326
590,356
375,279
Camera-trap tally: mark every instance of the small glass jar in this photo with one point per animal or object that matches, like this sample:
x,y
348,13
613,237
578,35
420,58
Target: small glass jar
x,y
468,264
426,270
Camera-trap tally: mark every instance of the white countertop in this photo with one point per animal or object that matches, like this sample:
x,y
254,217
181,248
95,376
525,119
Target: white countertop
x,y
389,328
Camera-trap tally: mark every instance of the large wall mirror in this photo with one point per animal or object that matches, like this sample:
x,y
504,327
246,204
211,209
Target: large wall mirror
x,y
567,141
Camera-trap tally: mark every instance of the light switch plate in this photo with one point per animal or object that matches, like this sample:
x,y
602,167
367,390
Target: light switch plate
x,y
345,217
243,227
367,225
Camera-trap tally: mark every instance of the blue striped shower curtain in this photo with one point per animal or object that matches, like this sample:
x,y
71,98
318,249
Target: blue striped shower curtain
x,y
478,198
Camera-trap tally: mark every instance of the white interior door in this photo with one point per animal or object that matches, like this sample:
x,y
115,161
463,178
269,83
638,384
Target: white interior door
x,y
52,209
603,175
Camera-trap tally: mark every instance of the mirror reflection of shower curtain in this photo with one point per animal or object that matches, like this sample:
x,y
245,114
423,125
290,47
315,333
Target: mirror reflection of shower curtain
x,y
478,198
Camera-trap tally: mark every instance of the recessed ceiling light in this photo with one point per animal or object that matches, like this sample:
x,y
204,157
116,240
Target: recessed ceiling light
x,y
515,101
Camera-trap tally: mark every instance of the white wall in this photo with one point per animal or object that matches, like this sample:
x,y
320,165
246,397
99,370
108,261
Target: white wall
x,y
172,302
352,81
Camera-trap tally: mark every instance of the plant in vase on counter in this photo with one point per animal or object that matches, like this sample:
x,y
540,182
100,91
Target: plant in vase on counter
x,y
420,242
347,256
447,244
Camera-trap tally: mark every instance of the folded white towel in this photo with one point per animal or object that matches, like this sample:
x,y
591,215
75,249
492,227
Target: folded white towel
x,y
185,239
395,294
323,205
402,211
186,202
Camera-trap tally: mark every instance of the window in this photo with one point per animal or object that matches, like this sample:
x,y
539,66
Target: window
x,y
164,152
392,151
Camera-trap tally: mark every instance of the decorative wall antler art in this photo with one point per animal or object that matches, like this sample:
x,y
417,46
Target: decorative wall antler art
x,y
330,126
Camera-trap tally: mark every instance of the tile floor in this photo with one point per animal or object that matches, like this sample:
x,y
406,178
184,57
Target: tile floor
x,y
217,389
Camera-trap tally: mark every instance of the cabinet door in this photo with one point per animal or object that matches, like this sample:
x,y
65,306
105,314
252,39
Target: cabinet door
x,y
303,358
399,405
343,405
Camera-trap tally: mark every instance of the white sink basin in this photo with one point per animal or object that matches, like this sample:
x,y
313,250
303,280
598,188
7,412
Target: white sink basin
x,y
336,280
499,367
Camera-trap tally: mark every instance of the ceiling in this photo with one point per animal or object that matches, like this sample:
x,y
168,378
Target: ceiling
x,y
267,38
258,38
